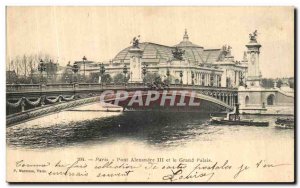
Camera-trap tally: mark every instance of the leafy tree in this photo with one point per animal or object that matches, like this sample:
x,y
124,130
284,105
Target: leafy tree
x,y
268,83
120,78
94,78
292,83
152,77
67,77
106,78
171,79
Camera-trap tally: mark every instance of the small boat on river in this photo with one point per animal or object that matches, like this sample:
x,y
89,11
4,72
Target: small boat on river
x,y
233,118
284,123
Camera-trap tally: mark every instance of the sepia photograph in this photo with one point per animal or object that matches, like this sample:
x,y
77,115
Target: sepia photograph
x,y
150,94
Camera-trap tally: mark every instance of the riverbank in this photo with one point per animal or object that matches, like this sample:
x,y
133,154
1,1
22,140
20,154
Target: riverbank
x,y
271,111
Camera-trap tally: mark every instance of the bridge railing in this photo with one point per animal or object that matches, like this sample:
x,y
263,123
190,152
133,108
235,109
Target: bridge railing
x,y
22,87
95,86
185,86
20,94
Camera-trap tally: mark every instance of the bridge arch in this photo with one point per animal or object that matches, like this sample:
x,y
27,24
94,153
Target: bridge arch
x,y
207,103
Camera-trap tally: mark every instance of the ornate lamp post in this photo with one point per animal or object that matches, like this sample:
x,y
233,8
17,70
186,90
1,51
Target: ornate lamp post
x,y
75,69
125,71
50,70
144,71
83,60
193,76
168,75
181,75
102,71
42,68
67,78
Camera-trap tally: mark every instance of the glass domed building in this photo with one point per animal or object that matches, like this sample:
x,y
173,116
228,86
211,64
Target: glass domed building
x,y
157,53
199,66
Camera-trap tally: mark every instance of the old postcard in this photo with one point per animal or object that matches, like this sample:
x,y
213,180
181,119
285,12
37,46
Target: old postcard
x,y
150,94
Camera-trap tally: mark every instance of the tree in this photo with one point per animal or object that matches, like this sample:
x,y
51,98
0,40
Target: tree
x,y
106,78
267,83
171,79
94,78
24,64
292,83
51,70
25,67
32,65
152,77
11,77
279,83
66,77
120,78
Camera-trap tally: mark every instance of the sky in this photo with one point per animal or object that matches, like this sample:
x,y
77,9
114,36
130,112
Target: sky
x,y
99,33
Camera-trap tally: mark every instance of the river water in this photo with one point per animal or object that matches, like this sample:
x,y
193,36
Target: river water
x,y
155,129
91,133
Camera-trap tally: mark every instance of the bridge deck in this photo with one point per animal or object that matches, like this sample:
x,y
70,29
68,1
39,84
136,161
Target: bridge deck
x,y
24,97
29,88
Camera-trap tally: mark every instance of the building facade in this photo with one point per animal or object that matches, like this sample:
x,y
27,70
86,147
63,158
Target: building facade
x,y
185,63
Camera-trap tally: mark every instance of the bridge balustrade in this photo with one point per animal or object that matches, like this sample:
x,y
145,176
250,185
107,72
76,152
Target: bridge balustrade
x,y
68,86
22,87
16,92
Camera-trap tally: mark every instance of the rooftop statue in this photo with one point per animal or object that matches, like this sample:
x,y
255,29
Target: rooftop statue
x,y
178,53
241,81
253,36
245,56
135,42
227,50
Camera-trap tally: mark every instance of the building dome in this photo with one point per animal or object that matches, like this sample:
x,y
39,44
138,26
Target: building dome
x,y
151,53
185,43
156,53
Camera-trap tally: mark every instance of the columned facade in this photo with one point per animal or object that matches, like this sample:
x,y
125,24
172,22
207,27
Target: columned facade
x,y
211,67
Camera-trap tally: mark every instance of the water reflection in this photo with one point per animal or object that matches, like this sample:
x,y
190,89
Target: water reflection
x,y
161,129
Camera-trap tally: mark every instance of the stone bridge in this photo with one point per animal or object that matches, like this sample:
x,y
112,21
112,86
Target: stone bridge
x,y
24,99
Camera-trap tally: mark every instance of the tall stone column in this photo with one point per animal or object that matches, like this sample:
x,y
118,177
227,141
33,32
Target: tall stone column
x,y
253,51
207,81
135,65
200,80
188,77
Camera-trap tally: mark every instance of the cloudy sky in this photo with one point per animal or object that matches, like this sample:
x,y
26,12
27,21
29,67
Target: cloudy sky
x,y
99,33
